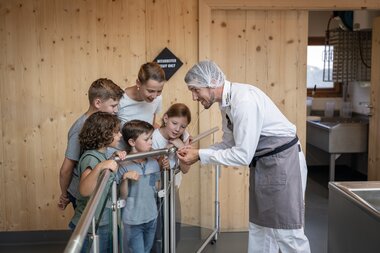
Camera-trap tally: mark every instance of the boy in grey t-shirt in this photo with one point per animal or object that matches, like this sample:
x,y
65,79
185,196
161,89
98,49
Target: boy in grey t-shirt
x,y
103,95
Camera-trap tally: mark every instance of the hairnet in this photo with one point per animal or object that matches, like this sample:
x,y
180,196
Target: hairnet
x,y
205,74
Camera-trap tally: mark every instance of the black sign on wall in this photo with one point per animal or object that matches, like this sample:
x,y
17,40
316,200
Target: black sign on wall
x,y
168,62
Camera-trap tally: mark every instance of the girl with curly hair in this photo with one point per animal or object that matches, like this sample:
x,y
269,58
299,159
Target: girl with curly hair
x,y
100,131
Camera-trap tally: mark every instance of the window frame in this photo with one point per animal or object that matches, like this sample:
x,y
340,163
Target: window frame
x,y
329,92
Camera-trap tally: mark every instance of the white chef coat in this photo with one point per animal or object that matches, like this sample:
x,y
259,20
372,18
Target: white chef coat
x,y
252,114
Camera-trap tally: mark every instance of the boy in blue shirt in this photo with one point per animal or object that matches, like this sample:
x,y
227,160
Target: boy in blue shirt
x,y
140,213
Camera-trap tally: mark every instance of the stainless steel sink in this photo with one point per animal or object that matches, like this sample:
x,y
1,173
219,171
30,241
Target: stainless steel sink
x,y
338,135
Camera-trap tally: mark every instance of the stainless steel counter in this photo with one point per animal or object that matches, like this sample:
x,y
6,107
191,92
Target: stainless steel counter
x,y
366,194
354,217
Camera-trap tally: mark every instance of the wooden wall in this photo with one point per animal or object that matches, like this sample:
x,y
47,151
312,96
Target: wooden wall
x,y
51,51
374,123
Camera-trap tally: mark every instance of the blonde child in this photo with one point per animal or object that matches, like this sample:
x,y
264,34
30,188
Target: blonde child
x,y
104,96
172,133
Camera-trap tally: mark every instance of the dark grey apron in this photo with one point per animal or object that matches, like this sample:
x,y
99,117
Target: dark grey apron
x,y
275,187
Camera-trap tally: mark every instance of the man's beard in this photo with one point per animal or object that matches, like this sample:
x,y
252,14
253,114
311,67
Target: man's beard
x,y
211,102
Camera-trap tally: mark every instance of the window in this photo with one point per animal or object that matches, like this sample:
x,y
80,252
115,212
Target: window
x,y
315,64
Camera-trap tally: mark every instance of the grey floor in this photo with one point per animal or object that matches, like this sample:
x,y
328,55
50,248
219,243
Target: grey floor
x,y
315,214
315,225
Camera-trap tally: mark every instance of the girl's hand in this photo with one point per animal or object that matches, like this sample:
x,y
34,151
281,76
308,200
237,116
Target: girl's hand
x,y
189,140
120,154
133,175
109,164
178,143
163,161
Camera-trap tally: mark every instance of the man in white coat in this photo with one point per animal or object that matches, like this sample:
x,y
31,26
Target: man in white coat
x,y
257,134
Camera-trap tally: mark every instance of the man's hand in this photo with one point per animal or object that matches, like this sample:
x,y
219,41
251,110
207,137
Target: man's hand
x,y
188,155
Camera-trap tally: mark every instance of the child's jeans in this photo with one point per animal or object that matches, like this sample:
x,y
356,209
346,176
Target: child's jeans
x,y
140,237
104,233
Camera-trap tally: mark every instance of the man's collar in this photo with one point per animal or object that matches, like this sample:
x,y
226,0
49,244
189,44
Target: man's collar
x,y
226,96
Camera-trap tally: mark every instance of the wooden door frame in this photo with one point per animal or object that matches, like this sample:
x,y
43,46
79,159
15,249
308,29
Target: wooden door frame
x,y
373,140
207,6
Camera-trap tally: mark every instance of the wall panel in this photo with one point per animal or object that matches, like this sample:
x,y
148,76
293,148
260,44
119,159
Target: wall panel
x,y
49,57
52,50
178,31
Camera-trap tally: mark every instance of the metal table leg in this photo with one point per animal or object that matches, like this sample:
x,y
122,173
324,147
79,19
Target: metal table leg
x,y
332,167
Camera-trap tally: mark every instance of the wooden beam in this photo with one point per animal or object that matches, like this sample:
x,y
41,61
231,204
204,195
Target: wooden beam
x,y
292,4
374,123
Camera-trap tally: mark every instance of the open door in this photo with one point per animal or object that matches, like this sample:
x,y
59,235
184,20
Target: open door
x,y
374,122
264,48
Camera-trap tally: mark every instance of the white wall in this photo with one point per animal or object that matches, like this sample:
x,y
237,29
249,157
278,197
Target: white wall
x,y
318,23
359,93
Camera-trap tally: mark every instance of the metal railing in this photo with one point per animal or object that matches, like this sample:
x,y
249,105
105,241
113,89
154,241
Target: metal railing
x,y
88,216
79,234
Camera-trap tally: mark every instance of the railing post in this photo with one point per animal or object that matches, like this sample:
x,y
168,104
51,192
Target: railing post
x,y
115,241
95,237
172,211
217,203
166,214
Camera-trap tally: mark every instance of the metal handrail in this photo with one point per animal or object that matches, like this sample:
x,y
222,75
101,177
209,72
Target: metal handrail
x,y
204,134
79,234
141,155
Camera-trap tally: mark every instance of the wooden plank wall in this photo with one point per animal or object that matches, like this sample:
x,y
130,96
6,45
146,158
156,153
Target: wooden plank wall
x,y
262,48
374,123
51,51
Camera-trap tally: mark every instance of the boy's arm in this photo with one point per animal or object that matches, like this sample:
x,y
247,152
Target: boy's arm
x,y
132,175
124,189
65,175
89,177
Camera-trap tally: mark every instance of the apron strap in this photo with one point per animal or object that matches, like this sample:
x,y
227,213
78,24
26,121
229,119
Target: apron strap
x,y
275,151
